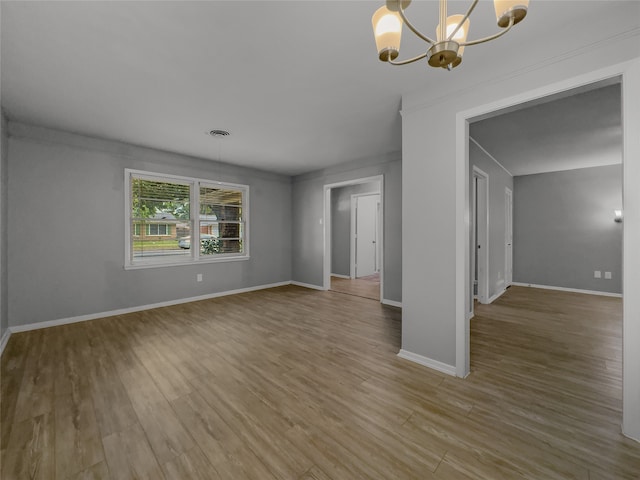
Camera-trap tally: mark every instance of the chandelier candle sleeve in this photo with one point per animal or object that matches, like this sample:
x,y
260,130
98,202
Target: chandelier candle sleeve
x,y
451,32
387,27
459,37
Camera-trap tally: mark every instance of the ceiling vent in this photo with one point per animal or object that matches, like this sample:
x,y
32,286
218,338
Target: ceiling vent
x,y
219,133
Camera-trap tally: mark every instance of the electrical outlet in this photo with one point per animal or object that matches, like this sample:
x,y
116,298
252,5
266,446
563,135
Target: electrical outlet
x,y
199,277
597,274
607,275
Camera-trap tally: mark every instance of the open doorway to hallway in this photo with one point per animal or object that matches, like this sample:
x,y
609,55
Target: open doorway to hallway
x,y
354,218
553,192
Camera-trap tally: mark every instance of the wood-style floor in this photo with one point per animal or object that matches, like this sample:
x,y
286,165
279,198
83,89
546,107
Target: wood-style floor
x,y
367,287
291,383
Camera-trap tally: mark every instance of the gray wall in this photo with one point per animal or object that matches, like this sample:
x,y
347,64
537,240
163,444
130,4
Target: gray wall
x,y
433,178
564,228
66,236
4,183
341,225
499,179
308,207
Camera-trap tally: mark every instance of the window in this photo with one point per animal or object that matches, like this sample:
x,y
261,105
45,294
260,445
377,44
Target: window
x,y
167,214
158,229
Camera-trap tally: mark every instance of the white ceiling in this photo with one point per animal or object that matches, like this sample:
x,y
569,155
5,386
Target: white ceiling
x,y
297,83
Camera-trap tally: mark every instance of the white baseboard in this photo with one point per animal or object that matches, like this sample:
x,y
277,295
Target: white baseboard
x,y
635,438
428,362
496,296
565,289
391,303
339,275
123,311
307,285
4,340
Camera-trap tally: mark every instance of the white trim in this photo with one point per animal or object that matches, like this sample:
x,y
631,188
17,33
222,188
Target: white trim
x,y
203,260
4,340
508,235
193,257
326,223
566,289
123,311
462,201
352,236
391,303
496,296
428,362
353,253
489,155
339,275
629,72
483,283
308,285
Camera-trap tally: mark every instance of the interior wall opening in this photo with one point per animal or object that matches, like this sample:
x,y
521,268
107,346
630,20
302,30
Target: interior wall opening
x,y
354,218
555,189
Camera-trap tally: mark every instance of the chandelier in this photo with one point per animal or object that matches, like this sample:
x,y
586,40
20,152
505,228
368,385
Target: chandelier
x,y
451,33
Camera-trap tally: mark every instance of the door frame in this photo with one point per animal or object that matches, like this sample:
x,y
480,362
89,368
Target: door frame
x,y
326,222
483,231
629,73
508,236
352,233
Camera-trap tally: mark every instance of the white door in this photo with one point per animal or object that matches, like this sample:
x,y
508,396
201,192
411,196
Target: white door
x,y
481,234
508,268
366,235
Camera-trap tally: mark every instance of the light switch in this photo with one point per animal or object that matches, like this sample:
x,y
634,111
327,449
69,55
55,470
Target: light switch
x,y
597,274
607,275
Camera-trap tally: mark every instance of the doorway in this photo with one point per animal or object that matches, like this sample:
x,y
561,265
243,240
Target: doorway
x,y
365,220
508,237
507,234
480,233
354,224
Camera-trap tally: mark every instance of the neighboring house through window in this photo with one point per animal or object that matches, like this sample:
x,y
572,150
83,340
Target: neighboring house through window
x,y
167,214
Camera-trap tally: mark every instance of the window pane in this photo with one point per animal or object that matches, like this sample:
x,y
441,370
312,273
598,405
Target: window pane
x,y
160,217
220,220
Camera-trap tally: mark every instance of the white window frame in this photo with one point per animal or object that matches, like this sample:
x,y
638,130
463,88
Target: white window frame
x,y
167,230
195,257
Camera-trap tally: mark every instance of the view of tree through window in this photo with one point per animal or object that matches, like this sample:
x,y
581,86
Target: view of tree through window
x,y
167,213
160,215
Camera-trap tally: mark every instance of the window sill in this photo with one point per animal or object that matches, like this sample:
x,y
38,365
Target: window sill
x,y
201,261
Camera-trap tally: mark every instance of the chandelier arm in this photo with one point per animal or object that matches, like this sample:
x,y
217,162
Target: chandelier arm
x,y
492,37
464,19
411,27
411,60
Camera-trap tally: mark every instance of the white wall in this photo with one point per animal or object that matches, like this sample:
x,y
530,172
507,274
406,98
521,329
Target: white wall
x,y
435,179
66,228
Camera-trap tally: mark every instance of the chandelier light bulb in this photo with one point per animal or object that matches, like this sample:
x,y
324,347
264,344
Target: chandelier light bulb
x,y
446,49
387,28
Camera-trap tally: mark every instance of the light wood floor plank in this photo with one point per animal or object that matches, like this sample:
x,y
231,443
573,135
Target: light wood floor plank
x,y
301,384
30,453
129,456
